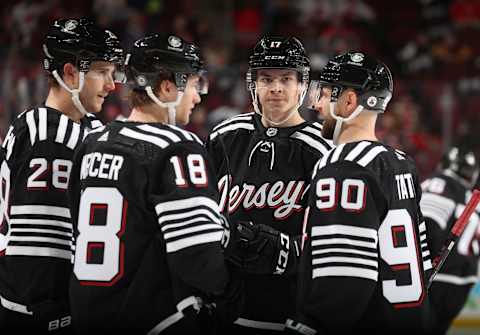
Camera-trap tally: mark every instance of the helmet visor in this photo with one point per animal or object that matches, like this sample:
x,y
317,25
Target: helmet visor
x,y
316,89
201,85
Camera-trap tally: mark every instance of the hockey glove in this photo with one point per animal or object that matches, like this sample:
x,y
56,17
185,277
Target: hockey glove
x,y
262,249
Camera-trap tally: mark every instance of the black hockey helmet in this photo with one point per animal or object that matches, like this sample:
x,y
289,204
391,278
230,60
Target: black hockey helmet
x,y
463,163
80,42
278,52
156,54
370,78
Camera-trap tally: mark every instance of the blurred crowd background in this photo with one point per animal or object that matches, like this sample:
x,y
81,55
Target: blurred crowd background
x,y
432,48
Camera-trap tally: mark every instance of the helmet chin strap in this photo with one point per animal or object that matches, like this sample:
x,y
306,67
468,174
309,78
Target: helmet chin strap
x,y
253,94
74,92
340,120
170,105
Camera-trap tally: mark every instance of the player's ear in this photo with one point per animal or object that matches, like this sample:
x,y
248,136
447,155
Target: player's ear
x,y
70,75
351,101
167,90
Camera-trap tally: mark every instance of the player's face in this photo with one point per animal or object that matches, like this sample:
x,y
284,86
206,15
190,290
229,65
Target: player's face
x,y
98,84
323,108
191,97
278,92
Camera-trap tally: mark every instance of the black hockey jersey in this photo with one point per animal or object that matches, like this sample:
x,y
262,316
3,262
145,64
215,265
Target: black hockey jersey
x,y
365,260
35,263
146,225
263,177
443,200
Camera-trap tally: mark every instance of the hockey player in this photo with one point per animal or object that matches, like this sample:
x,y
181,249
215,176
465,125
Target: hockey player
x,y
35,266
444,197
365,260
148,256
263,161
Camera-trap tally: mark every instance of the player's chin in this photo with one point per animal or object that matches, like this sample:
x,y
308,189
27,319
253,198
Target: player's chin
x,y
95,108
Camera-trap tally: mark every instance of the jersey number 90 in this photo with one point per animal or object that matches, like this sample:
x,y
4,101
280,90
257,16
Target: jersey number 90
x,y
397,241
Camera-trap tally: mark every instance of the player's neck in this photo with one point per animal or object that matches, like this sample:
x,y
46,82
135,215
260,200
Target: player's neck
x,y
291,121
362,128
149,113
62,101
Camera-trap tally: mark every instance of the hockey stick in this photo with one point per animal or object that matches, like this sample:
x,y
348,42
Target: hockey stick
x,y
455,233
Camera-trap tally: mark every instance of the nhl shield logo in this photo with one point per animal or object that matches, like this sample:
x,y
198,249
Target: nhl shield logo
x,y
272,132
175,41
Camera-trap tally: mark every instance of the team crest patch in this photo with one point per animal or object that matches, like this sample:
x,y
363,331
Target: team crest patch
x,y
357,57
175,42
71,25
141,80
371,101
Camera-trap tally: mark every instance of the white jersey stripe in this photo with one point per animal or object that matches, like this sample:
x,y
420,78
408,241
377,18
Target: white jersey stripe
x,y
313,131
197,138
427,265
336,153
348,241
323,260
40,209
72,142
439,219
32,128
147,138
194,240
62,129
345,251
188,135
41,222
166,218
345,271
192,230
193,202
38,251
437,207
235,126
425,253
323,161
173,137
96,123
311,142
455,280
241,117
184,223
50,231
422,227
357,150
370,156
39,239
344,230
42,124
